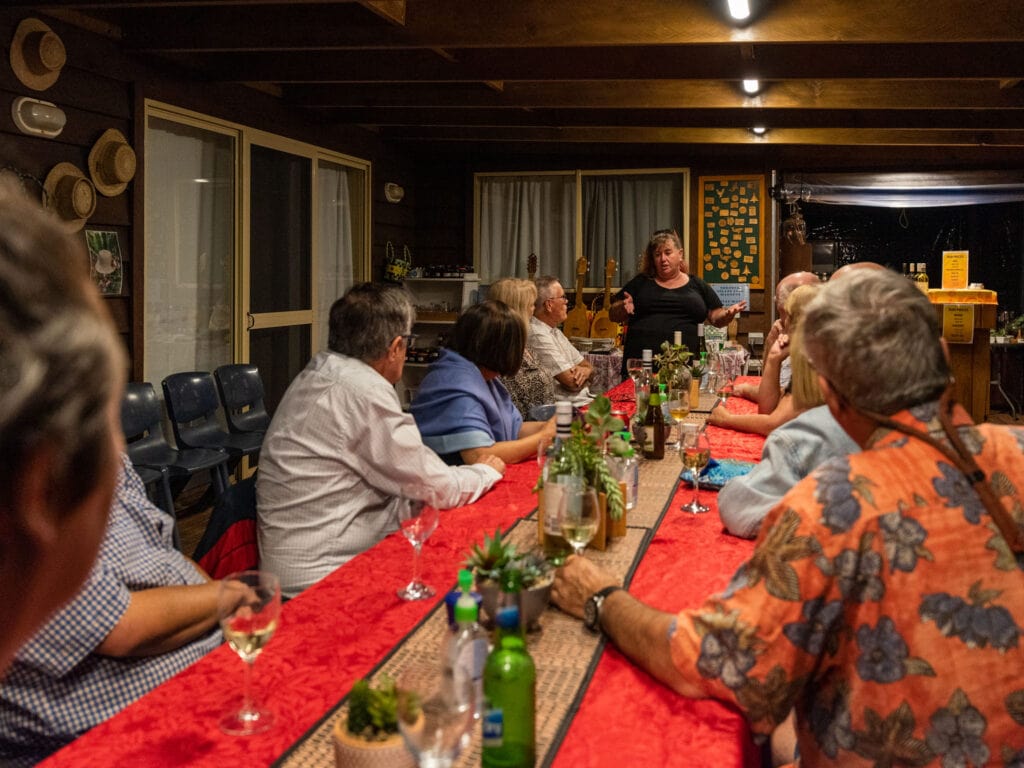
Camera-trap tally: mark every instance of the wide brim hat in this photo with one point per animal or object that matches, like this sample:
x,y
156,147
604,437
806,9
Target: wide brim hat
x,y
69,195
37,54
111,163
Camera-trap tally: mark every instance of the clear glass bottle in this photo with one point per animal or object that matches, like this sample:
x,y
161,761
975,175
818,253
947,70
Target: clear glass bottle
x,y
558,476
626,469
644,387
464,651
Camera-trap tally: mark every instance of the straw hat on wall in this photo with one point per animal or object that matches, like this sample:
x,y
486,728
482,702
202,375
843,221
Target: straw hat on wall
x,y
70,195
37,54
111,163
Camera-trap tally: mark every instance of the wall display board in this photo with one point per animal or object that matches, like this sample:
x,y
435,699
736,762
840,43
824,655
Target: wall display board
x,y
732,212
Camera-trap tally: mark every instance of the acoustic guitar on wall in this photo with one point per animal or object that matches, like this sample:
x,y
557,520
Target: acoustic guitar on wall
x,y
577,323
603,326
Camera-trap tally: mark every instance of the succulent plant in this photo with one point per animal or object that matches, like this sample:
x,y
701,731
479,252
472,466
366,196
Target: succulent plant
x,y
373,710
489,560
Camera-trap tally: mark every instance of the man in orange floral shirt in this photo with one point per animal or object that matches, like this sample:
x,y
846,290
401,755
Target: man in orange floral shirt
x,y
884,602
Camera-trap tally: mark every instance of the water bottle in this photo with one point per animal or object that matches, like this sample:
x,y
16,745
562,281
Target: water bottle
x,y
464,651
510,679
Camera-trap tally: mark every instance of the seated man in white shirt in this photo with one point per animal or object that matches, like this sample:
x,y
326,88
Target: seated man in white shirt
x,y
341,463
554,353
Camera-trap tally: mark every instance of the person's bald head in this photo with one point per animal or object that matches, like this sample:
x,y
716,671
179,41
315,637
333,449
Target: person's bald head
x,y
848,268
787,285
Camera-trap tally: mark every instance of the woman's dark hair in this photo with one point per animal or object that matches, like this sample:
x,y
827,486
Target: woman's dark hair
x,y
491,335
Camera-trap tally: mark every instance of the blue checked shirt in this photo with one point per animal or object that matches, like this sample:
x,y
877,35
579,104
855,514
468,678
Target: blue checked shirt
x,y
58,687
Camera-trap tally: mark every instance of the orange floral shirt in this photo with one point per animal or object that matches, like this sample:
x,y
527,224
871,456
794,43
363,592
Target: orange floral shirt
x,y
881,602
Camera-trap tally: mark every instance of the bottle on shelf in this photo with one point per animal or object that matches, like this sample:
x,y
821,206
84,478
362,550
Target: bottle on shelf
x,y
654,428
510,679
464,651
558,478
922,276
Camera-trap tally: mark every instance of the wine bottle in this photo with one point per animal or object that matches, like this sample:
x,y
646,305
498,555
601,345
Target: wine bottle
x,y
654,429
510,679
626,469
559,476
922,276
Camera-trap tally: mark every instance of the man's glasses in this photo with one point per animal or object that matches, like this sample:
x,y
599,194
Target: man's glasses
x,y
563,297
410,339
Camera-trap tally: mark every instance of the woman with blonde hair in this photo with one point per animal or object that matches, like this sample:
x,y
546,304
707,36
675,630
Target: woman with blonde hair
x,y
529,386
793,450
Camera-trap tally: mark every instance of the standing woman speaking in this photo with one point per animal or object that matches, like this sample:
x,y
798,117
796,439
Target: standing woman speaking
x,y
664,298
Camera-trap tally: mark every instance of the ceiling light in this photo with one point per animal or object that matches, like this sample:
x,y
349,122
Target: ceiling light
x,y
739,9
759,130
751,86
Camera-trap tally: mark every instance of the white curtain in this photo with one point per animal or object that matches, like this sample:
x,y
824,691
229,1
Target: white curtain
x,y
619,214
336,248
189,309
520,215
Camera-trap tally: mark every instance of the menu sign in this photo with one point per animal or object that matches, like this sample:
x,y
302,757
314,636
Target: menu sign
x,y
954,270
958,323
732,229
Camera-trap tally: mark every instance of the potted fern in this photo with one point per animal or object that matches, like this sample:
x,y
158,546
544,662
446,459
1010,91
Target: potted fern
x,y
368,737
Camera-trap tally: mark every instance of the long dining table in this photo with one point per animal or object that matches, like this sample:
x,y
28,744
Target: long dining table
x,y
341,628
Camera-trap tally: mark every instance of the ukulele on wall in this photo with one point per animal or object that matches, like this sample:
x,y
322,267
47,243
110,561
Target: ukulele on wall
x,y
603,326
577,323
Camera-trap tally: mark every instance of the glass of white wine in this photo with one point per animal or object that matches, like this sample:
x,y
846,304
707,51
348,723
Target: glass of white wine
x,y
678,409
581,518
248,606
695,453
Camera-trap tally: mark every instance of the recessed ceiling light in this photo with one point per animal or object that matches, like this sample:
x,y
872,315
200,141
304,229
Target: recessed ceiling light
x,y
739,9
759,130
751,86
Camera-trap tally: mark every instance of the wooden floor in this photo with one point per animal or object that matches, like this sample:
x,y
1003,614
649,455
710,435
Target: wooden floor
x,y
192,522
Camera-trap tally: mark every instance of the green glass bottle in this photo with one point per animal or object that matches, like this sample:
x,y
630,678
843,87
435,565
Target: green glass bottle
x,y
510,679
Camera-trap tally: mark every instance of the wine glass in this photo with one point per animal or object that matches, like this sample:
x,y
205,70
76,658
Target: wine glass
x,y
678,409
580,518
417,527
248,607
434,713
634,367
695,453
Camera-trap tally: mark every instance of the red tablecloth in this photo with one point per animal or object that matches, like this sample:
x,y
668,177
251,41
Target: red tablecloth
x,y
336,632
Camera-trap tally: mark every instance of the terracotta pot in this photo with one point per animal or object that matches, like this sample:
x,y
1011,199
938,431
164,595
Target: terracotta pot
x,y
353,752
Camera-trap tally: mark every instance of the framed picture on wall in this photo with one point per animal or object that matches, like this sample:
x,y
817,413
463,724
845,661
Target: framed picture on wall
x,y
732,213
106,262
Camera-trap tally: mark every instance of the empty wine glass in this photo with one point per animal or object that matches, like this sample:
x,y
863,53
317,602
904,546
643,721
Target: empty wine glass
x,y
433,716
695,453
248,607
580,518
417,527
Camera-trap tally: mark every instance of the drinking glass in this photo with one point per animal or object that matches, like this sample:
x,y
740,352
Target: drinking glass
x,y
417,527
678,409
581,518
695,453
634,367
433,716
248,607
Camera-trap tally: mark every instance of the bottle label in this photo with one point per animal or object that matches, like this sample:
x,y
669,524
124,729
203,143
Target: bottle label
x,y
493,726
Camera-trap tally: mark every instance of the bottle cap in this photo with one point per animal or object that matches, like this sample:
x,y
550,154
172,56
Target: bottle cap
x,y
465,581
508,617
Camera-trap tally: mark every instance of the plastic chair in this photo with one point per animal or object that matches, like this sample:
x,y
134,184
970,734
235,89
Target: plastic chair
x,y
229,542
149,451
159,479
241,392
193,405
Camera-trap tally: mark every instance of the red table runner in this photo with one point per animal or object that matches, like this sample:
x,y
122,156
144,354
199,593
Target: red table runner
x,y
336,632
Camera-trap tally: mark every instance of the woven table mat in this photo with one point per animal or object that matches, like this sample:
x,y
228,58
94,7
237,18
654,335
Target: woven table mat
x,y
565,654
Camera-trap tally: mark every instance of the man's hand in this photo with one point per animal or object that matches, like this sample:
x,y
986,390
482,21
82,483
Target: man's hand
x,y
576,581
493,462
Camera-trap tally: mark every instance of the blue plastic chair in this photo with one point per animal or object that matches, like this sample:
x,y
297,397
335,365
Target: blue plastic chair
x,y
241,392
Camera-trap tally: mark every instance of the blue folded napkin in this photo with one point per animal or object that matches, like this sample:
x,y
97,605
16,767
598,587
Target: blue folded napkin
x,y
718,472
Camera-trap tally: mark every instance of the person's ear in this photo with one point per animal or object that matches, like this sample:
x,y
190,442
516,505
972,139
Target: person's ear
x,y
35,518
395,348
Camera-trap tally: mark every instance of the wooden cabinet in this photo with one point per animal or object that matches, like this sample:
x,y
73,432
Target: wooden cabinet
x,y
438,301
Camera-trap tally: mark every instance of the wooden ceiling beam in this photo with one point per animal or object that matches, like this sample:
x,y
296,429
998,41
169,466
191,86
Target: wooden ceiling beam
x,y
809,94
798,136
555,23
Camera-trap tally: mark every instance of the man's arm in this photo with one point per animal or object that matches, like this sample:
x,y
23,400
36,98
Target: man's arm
x,y
163,619
575,378
639,631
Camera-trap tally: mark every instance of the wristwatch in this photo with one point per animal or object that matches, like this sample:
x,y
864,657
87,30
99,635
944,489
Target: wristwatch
x,y
592,608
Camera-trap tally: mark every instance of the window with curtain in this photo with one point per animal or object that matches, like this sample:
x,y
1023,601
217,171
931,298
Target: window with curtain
x,y
523,214
341,234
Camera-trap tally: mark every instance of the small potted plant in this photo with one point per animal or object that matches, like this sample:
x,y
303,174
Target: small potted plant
x,y
494,560
368,737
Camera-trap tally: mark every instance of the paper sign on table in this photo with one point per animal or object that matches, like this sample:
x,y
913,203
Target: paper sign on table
x,y
958,323
954,270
